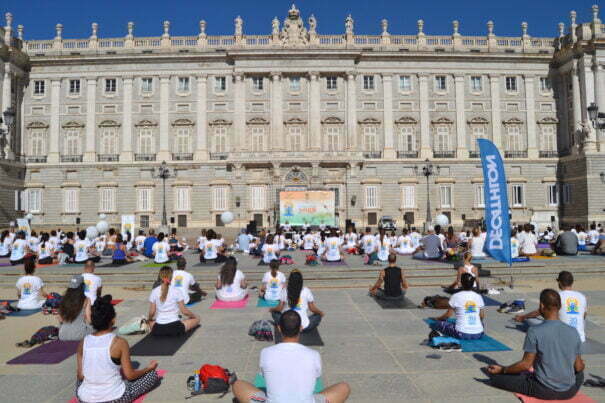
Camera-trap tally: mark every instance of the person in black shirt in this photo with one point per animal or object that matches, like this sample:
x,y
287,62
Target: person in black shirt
x,y
395,283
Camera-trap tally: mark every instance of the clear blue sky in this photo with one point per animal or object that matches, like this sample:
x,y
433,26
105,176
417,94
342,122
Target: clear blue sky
x,y
40,16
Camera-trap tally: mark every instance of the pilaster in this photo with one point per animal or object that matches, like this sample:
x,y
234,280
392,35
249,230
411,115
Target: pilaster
x,y
164,152
425,129
201,152
126,153
494,81
530,105
351,111
277,118
461,146
239,118
389,151
91,97
7,92
315,113
577,98
55,105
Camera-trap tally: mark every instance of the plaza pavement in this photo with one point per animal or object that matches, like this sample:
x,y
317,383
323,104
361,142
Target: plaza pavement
x,y
379,352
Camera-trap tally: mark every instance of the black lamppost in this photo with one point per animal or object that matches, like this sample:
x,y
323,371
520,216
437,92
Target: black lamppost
x,y
9,120
163,173
594,115
428,170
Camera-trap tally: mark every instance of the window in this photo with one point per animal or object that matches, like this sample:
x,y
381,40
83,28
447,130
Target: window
x,y
511,84
440,83
70,200
109,109
219,198
332,106
144,221
146,141
332,134
552,192
566,193
545,85
109,141
368,83
72,142
258,107
295,138
514,138
478,132
406,106
370,138
445,193
295,84
37,110
145,199
20,200
258,139
517,195
74,87
408,196
405,83
220,140
36,143
147,109
406,140
331,82
183,84
107,200
549,138
257,83
183,108
34,200
257,197
110,85
147,85
73,110
442,139
182,141
479,196
476,84
369,106
371,196
182,198
39,87
220,84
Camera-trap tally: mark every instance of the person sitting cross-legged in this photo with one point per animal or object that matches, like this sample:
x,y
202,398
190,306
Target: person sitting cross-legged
x,y
395,283
467,305
553,350
290,371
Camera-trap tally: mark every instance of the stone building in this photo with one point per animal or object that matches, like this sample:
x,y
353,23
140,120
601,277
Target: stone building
x,y
237,118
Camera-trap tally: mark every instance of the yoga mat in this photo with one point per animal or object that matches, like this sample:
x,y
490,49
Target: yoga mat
x,y
341,263
72,265
593,347
52,352
490,301
116,301
308,339
24,312
150,346
140,399
578,398
404,303
259,382
158,264
485,343
521,259
263,303
189,305
544,257
230,305
117,265
5,264
46,265
212,264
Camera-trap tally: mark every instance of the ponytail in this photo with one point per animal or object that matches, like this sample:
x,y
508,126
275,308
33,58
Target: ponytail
x,y
295,285
166,277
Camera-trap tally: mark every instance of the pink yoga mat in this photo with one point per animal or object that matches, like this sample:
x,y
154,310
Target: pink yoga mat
x,y
578,398
230,305
161,373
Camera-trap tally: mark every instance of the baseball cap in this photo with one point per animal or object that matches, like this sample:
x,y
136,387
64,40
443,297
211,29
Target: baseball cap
x,y
76,281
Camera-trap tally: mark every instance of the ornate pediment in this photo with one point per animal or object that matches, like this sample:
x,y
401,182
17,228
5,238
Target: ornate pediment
x,y
109,123
442,121
549,120
512,121
37,125
257,121
72,124
406,120
293,33
295,121
182,122
145,123
478,120
219,122
332,120
369,121
296,176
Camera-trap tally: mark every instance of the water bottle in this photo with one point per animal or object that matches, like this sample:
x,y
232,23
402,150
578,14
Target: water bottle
x,y
196,381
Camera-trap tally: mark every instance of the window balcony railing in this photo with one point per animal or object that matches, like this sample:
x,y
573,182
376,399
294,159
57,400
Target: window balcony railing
x,y
71,158
407,154
219,156
182,156
38,159
474,154
108,157
515,154
444,154
144,157
548,154
372,155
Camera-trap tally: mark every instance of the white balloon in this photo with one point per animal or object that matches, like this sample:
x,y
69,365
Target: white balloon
x,y
102,227
442,220
227,217
92,232
102,216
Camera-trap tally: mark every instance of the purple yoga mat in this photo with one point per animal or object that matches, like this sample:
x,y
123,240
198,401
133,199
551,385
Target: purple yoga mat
x,y
53,352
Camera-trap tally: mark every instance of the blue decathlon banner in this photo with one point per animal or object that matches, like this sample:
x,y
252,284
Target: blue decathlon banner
x,y
497,243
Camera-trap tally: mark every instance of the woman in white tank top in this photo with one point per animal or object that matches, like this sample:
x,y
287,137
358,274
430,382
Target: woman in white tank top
x,y
475,244
469,268
100,357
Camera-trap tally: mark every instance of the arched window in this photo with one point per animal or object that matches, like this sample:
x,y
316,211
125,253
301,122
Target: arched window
x,y
182,141
219,143
72,142
109,141
146,141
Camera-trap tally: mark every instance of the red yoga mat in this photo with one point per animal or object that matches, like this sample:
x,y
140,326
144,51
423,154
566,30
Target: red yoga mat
x,y
140,399
578,398
230,305
116,301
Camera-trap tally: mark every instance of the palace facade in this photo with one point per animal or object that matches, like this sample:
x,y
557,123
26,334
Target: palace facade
x,y
238,118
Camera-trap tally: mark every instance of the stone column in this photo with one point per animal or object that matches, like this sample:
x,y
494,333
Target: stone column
x,y
201,151
315,113
239,117
164,152
90,139
277,115
494,81
425,128
126,153
530,105
387,81
351,111
577,99
7,103
55,105
461,141
599,84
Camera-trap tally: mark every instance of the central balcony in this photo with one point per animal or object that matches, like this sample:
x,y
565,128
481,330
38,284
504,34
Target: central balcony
x,y
444,154
372,155
71,158
182,156
219,156
144,157
108,157
548,154
515,154
407,154
39,159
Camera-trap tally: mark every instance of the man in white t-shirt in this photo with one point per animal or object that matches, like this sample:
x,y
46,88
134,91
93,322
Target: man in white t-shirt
x,y
593,235
573,306
139,242
92,283
368,242
183,281
332,247
30,288
467,305
290,370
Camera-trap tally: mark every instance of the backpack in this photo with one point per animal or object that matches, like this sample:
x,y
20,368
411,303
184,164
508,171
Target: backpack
x,y
311,260
286,259
261,330
52,302
6,308
214,379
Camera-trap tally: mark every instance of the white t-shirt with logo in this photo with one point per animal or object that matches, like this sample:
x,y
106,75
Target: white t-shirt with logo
x,y
160,250
582,237
467,305
232,292
81,248
5,247
29,288
332,246
139,241
593,236
384,248
405,244
167,311
270,252
273,285
573,309
368,242
308,242
18,251
211,249
33,243
528,243
44,250
514,247
182,280
92,283
290,371
350,240
302,307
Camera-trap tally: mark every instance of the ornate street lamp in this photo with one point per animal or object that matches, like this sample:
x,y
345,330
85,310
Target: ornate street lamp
x,y
594,115
163,173
428,170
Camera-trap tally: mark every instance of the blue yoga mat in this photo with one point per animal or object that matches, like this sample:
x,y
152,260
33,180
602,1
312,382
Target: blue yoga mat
x,y
259,382
490,301
25,312
189,305
485,343
263,303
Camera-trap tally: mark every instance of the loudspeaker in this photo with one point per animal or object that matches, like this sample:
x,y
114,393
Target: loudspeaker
x,y
349,224
77,220
408,218
171,220
251,227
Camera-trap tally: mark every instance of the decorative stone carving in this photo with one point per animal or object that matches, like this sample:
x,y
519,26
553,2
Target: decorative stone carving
x,y
349,22
312,24
275,26
294,32
296,176
95,29
130,28
239,26
384,24
202,29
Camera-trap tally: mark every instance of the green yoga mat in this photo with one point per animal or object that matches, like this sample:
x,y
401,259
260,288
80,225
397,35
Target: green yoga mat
x,y
259,382
158,264
263,303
